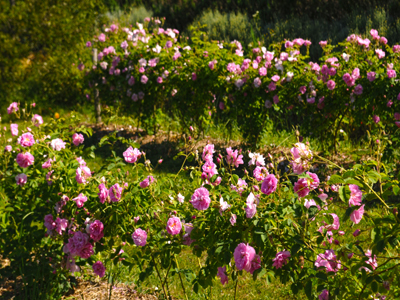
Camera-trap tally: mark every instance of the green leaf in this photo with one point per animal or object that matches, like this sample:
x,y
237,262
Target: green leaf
x,y
308,289
374,286
335,179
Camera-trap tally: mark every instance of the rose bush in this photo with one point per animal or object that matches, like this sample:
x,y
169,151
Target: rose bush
x,y
147,68
329,231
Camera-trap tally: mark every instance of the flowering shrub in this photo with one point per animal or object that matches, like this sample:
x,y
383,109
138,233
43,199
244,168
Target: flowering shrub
x,y
332,232
151,68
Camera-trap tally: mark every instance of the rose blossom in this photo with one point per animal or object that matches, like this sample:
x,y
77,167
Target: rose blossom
x,y
80,200
103,193
82,174
61,225
57,144
355,196
281,259
25,160
77,242
260,173
21,179
324,295
37,120
96,230
8,148
174,226
99,269
269,184
357,215
14,129
200,199
12,108
77,139
244,255
132,155
115,192
26,140
251,207
233,157
139,237
145,183
222,274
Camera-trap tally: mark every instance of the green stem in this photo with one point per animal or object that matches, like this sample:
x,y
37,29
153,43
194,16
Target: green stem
x,y
180,278
159,276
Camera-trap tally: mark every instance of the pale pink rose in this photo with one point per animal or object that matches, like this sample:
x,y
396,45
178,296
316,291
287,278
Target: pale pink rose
x,y
281,259
77,139
102,37
80,200
139,237
323,44
37,120
14,129
25,160
8,148
21,179
391,73
99,269
174,225
57,144
83,173
26,140
132,155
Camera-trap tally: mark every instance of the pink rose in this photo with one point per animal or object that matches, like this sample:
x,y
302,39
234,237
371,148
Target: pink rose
x,y
99,269
103,193
174,226
200,199
14,129
26,140
132,155
244,255
21,179
269,184
80,200
140,237
115,192
77,139
281,259
25,160
57,144
96,230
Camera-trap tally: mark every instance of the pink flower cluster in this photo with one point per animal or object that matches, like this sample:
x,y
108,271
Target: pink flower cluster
x,y
355,200
58,226
304,185
302,155
234,157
